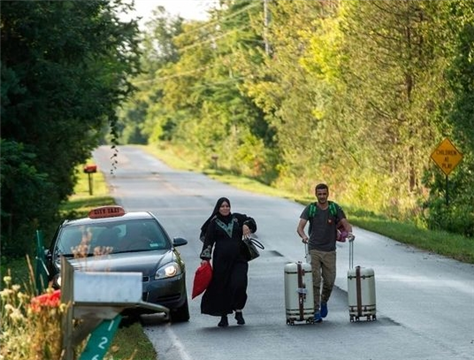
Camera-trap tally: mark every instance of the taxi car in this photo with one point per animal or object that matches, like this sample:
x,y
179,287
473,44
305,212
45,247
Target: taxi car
x,y
111,239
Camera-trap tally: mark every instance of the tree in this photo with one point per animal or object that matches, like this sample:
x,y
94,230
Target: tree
x,y
64,72
292,98
389,76
457,214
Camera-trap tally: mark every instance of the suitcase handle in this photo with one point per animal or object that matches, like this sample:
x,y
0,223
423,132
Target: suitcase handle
x,y
351,254
306,251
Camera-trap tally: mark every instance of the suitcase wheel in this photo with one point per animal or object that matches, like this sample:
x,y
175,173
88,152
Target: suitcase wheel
x,y
354,318
290,322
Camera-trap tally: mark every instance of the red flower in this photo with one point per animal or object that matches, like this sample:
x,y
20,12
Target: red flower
x,y
50,299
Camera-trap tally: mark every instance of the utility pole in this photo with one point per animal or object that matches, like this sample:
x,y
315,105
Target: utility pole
x,y
266,19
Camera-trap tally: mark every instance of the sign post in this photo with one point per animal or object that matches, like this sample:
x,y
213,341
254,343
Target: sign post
x,y
89,170
101,339
447,157
41,271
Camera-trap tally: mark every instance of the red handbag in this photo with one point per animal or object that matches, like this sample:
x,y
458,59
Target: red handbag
x,y
202,278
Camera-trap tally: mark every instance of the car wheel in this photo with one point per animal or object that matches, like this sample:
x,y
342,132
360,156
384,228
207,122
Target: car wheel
x,y
180,314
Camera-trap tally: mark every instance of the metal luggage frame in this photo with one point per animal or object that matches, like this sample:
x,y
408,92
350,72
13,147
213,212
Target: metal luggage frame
x,y
302,293
360,310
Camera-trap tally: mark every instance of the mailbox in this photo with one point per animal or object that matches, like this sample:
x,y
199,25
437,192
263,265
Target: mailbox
x,y
97,299
90,169
105,293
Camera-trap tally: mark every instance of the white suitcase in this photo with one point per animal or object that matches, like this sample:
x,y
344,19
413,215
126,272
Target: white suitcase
x,y
360,290
299,298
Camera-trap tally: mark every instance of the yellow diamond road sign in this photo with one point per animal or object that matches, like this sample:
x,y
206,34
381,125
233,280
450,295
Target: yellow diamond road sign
x,y
446,156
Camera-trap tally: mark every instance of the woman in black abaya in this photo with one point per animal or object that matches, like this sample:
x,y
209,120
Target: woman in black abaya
x,y
222,236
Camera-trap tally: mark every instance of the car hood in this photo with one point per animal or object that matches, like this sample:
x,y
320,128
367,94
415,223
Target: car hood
x,y
146,262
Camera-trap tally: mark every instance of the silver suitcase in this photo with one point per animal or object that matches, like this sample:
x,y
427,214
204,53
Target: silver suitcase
x,y
360,290
299,298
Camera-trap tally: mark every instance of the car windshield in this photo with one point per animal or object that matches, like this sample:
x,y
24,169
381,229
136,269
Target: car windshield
x,y
111,237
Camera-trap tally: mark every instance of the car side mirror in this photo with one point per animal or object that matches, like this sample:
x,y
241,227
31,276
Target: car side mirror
x,y
177,241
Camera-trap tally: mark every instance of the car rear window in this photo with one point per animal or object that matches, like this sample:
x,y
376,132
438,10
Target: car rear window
x,y
112,237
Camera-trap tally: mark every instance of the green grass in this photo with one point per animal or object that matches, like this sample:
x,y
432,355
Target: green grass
x,y
82,201
443,243
131,342
439,242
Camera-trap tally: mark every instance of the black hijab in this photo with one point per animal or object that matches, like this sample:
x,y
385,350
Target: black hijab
x,y
216,213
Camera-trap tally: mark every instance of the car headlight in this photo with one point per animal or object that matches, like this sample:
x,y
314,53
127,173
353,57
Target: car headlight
x,y
57,281
167,271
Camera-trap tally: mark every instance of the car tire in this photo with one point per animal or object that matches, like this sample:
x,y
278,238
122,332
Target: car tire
x,y
180,314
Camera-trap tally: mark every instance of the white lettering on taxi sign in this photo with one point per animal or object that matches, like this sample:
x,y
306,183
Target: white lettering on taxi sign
x,y
446,156
106,211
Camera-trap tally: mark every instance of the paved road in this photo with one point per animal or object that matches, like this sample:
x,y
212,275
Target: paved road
x,y
425,303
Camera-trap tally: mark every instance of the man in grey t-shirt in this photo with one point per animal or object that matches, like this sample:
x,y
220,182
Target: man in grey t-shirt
x,y
324,217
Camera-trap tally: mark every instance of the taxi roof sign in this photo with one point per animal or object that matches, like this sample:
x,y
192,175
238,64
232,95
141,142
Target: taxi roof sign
x,y
446,156
106,211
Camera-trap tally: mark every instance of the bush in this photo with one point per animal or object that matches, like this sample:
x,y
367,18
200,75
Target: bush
x,y
31,326
455,218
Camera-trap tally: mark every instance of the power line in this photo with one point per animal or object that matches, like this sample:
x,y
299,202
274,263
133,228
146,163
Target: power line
x,y
266,18
204,42
213,39
185,73
217,21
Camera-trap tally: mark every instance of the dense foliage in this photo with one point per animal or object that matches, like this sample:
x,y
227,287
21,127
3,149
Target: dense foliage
x,y
354,93
64,71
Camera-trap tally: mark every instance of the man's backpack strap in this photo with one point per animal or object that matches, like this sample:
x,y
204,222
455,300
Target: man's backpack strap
x,y
313,209
333,208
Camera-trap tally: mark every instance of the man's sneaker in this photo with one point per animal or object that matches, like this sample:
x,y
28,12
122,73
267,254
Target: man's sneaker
x,y
317,317
324,310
